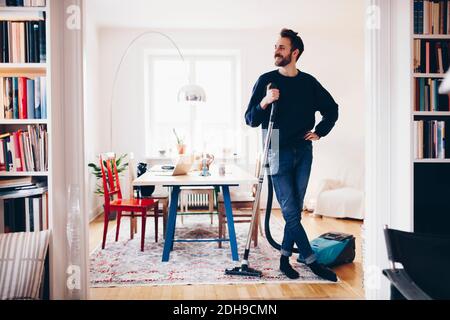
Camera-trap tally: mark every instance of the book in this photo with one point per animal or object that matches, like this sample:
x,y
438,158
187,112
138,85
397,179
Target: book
x,y
8,106
17,155
37,99
21,42
30,99
2,217
43,107
23,39
15,106
23,3
440,60
25,150
2,98
36,214
2,157
42,42
28,218
4,57
45,211
23,98
15,182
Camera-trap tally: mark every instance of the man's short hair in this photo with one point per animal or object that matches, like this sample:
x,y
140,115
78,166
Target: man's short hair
x,y
296,41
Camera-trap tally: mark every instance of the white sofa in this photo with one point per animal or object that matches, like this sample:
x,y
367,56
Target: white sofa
x,y
342,197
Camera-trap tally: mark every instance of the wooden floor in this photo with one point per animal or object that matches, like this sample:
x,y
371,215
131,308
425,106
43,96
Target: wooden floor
x,y
350,287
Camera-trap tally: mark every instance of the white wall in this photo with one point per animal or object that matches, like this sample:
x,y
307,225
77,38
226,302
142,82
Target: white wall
x,y
334,54
94,115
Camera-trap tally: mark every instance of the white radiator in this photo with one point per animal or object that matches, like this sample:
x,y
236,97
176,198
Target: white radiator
x,y
195,200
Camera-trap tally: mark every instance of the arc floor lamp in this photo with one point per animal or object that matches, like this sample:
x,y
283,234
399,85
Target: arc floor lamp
x,y
188,93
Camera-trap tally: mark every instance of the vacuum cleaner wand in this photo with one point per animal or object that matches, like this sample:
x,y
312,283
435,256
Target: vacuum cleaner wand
x,y
245,270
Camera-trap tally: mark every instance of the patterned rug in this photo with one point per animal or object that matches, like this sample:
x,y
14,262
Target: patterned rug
x,y
123,264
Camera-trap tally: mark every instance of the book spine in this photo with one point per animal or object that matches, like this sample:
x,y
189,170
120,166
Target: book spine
x,y
22,150
21,40
43,114
30,99
36,214
37,98
36,41
420,17
2,217
9,98
416,134
15,98
42,42
416,19
17,153
27,216
422,94
2,98
2,157
2,40
5,153
11,154
23,98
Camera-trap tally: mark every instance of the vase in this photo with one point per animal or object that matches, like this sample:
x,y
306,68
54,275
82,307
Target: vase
x,y
181,148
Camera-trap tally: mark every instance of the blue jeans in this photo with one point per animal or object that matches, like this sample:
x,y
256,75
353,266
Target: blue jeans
x,y
290,170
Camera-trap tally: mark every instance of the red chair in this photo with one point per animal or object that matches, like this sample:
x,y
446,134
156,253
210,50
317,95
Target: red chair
x,y
136,207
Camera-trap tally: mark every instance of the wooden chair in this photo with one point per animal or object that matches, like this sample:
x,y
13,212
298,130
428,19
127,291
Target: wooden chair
x,y
162,197
241,200
136,207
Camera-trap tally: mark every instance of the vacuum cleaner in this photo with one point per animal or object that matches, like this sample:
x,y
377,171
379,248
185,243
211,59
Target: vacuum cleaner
x,y
331,249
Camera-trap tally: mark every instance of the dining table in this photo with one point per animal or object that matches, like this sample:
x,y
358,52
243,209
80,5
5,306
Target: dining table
x,y
234,176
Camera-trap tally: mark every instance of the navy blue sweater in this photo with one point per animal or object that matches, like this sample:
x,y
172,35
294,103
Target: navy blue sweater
x,y
300,98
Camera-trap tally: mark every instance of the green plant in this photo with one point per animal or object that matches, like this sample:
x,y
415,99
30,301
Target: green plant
x,y
97,171
179,140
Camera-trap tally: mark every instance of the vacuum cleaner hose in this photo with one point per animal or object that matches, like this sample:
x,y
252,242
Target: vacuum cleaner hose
x,y
269,237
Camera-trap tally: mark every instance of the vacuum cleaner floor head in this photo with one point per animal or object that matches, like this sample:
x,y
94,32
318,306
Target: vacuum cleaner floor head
x,y
243,271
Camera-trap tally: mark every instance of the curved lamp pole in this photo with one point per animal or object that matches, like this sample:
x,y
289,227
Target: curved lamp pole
x,y
187,93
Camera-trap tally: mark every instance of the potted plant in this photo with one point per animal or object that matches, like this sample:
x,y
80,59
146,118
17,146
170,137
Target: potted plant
x,y
97,172
181,147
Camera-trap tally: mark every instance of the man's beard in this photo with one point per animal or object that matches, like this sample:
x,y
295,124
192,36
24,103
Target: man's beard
x,y
284,61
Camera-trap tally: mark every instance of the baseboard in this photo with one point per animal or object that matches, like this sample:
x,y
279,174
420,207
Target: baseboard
x,y
94,213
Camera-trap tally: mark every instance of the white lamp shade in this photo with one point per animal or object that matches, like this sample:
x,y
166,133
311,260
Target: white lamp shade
x,y
191,93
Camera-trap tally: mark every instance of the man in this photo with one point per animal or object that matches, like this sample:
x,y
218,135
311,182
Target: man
x,y
298,96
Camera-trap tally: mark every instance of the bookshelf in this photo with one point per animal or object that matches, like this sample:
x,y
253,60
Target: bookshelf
x,y
430,129
32,72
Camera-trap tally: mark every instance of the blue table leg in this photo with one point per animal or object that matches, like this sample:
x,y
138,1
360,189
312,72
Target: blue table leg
x,y
230,222
170,232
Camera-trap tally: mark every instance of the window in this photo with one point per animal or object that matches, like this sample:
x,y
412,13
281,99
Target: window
x,y
207,127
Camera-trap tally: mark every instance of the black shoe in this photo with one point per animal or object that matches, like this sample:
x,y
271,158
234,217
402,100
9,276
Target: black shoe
x,y
322,271
287,269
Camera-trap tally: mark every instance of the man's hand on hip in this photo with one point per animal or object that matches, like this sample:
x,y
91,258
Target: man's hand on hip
x,y
311,136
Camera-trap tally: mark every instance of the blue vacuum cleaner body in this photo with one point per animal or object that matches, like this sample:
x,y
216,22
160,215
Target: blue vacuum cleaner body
x,y
333,249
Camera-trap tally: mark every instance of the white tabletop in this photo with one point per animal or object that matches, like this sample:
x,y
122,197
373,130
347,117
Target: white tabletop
x,y
233,176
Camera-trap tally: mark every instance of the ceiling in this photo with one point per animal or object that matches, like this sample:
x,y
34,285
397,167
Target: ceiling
x,y
225,14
